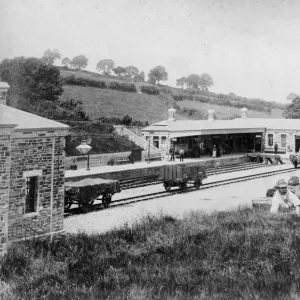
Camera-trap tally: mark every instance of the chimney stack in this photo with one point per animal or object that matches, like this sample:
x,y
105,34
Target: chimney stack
x,y
171,114
244,113
4,87
210,114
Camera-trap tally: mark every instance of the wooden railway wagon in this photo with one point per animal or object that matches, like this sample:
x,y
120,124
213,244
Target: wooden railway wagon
x,y
181,175
86,191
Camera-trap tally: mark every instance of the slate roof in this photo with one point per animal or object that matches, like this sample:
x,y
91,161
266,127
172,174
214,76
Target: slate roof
x,y
24,120
238,123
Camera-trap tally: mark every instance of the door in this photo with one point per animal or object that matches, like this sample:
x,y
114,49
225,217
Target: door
x,y
297,143
257,144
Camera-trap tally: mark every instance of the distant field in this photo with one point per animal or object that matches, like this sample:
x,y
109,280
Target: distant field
x,y
108,103
227,111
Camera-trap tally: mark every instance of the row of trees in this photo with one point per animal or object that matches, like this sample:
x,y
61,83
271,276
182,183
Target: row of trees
x,y
107,67
203,81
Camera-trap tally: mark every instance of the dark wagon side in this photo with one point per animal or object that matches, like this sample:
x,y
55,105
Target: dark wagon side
x,y
181,176
86,191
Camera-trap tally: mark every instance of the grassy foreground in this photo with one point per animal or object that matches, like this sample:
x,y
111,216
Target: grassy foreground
x,y
243,254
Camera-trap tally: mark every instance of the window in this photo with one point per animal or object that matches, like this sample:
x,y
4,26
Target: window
x,y
31,194
163,139
270,139
283,140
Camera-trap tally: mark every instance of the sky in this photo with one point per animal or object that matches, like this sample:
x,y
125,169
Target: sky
x,y
249,47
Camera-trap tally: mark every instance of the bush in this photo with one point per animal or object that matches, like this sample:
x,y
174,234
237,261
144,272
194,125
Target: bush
x,y
150,90
72,80
182,97
122,86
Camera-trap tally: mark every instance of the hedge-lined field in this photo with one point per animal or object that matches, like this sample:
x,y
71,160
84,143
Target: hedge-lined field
x,y
109,103
242,254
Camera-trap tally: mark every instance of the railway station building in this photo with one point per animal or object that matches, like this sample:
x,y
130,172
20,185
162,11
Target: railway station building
x,y
239,135
32,176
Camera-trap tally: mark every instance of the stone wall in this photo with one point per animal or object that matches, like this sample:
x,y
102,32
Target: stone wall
x,y
290,139
38,154
5,134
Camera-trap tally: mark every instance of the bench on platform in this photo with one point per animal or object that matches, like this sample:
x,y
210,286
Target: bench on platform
x,y
154,156
123,160
271,150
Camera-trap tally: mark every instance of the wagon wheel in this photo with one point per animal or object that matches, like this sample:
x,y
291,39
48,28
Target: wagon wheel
x,y
182,186
167,186
68,203
69,199
197,183
106,199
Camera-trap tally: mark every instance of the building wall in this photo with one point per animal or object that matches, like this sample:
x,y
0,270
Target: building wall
x,y
290,138
36,153
5,134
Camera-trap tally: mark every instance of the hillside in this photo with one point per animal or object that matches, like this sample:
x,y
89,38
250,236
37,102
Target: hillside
x,y
105,102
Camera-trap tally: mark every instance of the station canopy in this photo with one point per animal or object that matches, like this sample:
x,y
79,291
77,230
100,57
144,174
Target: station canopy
x,y
183,128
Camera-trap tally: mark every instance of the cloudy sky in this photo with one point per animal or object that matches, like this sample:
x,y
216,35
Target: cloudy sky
x,y
249,47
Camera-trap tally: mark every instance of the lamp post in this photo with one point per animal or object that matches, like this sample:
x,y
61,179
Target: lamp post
x,y
84,148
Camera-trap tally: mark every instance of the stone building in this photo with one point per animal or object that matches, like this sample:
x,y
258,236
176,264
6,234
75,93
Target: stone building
x,y
32,177
231,136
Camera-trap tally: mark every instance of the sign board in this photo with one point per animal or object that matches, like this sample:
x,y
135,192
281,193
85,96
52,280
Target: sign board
x,y
174,139
151,132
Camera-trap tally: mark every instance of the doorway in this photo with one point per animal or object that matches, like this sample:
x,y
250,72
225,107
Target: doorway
x,y
257,144
297,143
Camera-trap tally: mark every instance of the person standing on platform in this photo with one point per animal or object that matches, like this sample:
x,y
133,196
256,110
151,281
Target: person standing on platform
x,y
276,148
181,154
172,153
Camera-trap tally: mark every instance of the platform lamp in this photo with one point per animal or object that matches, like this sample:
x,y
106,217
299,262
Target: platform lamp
x,y
84,148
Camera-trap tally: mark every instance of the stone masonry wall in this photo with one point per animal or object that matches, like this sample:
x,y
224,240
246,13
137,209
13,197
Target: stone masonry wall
x,y
4,186
290,139
40,152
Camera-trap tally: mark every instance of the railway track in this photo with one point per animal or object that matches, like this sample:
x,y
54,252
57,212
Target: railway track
x,y
151,180
162,194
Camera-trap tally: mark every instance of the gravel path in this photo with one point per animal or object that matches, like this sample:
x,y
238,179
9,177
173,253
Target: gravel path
x,y
219,198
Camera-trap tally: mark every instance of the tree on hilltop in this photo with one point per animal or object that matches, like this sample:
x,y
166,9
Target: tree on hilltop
x,y
193,81
105,66
181,82
132,72
66,62
119,71
196,81
158,74
140,77
292,111
79,62
205,81
50,56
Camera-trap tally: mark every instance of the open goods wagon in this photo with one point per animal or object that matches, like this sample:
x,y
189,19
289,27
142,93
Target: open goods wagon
x,y
86,191
181,175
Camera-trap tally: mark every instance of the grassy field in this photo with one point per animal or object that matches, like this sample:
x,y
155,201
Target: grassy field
x,y
242,254
109,103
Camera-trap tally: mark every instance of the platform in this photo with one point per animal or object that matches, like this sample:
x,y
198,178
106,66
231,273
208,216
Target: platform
x,y
147,169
